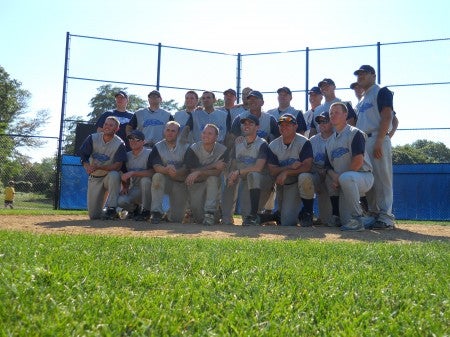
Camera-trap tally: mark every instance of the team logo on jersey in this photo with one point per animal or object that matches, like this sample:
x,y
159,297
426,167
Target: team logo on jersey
x,y
152,122
288,162
339,152
364,107
319,157
100,157
246,160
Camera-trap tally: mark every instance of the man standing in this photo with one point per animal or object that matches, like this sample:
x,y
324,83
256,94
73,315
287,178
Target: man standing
x,y
284,107
151,120
102,156
135,196
122,115
290,162
209,115
170,174
348,169
328,88
374,118
206,160
249,168
318,143
315,99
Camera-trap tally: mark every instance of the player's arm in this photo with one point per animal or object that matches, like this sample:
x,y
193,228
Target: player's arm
x,y
394,126
358,147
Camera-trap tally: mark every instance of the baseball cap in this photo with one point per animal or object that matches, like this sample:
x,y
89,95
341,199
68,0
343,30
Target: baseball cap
x,y
353,85
324,115
250,117
230,91
256,94
136,134
366,68
284,89
328,81
121,93
315,90
287,118
154,92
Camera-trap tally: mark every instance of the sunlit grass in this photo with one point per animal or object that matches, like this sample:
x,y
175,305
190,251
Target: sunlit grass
x,y
109,286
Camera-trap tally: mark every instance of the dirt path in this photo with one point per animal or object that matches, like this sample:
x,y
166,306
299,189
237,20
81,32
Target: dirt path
x,y
80,224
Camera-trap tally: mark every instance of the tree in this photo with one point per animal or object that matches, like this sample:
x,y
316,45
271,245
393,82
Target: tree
x,y
104,100
422,151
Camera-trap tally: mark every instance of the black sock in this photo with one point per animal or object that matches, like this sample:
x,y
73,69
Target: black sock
x,y
308,205
335,205
254,200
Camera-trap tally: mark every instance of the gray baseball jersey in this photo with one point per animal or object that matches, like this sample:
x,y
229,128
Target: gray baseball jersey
x,y
318,144
200,118
139,162
301,124
151,123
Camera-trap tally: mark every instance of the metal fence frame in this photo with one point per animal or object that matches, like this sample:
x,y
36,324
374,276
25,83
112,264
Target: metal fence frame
x,y
239,58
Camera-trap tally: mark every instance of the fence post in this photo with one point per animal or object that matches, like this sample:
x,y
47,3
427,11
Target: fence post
x,y
61,125
306,78
238,77
379,62
158,69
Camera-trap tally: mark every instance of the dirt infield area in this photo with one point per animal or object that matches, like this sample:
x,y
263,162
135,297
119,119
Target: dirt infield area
x,y
80,224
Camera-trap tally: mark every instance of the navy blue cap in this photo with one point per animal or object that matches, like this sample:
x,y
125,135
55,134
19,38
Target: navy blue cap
x,y
154,92
250,117
136,134
315,90
256,94
366,68
231,91
328,81
287,118
121,93
353,85
284,89
324,115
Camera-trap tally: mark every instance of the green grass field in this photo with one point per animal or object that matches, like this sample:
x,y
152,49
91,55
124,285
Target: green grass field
x,y
60,285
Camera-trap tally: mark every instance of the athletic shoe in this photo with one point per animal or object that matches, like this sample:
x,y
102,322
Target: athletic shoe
x,y
367,221
382,225
353,225
143,216
156,218
208,219
305,219
110,214
251,220
334,221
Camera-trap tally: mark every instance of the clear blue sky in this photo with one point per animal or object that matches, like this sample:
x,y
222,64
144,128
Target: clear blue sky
x,y
33,41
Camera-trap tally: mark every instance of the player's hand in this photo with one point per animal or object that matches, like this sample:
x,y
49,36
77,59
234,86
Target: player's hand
x,y
220,165
378,150
281,178
190,179
126,176
296,165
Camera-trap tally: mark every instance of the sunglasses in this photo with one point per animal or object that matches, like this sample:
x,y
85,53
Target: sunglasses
x,y
287,119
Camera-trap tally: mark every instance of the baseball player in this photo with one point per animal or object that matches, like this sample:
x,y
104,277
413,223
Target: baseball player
x,y
121,113
267,129
206,160
170,174
208,115
348,170
151,120
102,156
315,99
328,87
374,118
249,168
290,161
182,116
284,107
135,196
318,143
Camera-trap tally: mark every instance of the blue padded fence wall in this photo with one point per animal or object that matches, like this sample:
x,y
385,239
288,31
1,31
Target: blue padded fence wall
x,y
421,192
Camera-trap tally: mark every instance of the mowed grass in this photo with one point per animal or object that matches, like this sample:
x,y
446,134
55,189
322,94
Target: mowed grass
x,y
60,285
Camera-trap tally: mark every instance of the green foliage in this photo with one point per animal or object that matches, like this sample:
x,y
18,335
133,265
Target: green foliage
x,y
109,286
105,100
170,105
421,152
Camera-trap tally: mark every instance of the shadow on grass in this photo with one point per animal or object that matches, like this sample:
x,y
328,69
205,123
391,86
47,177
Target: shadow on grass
x,y
403,233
